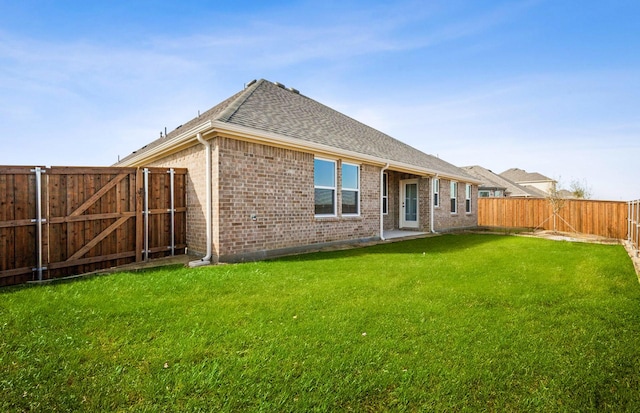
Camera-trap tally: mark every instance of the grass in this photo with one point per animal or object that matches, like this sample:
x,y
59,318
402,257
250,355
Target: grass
x,y
450,323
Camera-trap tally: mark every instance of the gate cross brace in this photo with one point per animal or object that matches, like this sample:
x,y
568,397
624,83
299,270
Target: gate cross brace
x,y
86,204
97,239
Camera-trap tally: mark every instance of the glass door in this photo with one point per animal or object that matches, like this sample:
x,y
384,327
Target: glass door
x,y
409,203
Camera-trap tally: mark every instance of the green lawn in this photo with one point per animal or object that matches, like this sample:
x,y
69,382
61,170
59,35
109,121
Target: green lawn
x,y
449,323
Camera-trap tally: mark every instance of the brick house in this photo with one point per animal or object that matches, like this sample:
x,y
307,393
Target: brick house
x,y
285,174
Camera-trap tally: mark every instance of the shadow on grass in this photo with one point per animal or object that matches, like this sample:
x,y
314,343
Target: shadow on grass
x,y
430,245
84,278
441,244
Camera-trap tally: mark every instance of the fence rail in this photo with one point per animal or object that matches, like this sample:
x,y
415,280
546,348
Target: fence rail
x,y
633,229
62,221
601,218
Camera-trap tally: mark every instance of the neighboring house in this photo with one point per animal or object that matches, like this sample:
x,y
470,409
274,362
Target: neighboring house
x,y
530,179
491,185
273,172
495,186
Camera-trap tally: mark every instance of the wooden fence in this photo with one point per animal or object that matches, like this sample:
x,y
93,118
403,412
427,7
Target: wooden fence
x,y
601,218
62,221
634,225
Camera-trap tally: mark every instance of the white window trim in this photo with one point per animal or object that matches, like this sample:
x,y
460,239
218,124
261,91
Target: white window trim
x,y
436,193
385,198
454,195
335,188
357,190
468,206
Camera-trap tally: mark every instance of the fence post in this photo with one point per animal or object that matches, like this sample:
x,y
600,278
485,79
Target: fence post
x,y
172,210
629,215
145,172
637,229
139,190
39,220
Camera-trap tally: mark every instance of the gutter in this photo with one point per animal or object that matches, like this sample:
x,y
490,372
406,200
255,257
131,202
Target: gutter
x,y
431,213
144,157
382,201
206,260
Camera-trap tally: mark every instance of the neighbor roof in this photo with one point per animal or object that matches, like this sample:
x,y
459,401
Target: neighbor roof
x,y
492,180
520,175
488,179
264,106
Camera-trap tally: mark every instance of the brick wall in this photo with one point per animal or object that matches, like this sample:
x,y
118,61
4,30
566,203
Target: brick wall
x,y
424,204
267,201
263,200
444,220
392,219
393,194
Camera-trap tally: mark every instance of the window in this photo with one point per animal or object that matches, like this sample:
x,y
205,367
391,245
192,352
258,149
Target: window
x,y
350,189
467,202
498,193
324,177
485,194
454,197
385,193
436,192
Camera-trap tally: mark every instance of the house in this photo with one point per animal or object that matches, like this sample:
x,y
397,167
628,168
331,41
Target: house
x,y
491,185
530,180
273,172
495,186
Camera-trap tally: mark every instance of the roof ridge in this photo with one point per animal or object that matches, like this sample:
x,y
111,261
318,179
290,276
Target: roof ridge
x,y
233,107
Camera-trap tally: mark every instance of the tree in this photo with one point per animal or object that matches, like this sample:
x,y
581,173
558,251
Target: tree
x,y
556,201
580,189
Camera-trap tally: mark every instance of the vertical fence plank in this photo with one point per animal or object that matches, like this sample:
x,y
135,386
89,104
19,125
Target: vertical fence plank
x,y
4,232
633,225
18,248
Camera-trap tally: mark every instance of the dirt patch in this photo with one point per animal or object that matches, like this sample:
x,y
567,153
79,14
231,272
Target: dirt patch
x,y
571,237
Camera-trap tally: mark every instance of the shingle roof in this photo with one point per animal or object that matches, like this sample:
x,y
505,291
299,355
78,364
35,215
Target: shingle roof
x,y
269,107
488,179
492,180
535,192
520,175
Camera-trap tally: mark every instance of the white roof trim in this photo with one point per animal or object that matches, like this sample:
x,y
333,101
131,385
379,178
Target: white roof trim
x,y
271,138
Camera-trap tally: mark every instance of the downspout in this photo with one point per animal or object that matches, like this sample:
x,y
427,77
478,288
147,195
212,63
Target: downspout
x,y
431,217
206,260
382,200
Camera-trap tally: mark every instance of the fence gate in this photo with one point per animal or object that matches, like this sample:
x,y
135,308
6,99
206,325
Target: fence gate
x,y
62,221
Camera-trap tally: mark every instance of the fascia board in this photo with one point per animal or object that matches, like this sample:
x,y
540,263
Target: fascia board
x,y
245,133
167,146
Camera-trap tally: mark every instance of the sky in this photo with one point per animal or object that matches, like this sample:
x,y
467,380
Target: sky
x,y
548,86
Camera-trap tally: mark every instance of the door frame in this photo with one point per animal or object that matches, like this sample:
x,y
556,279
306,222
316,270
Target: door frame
x,y
403,222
